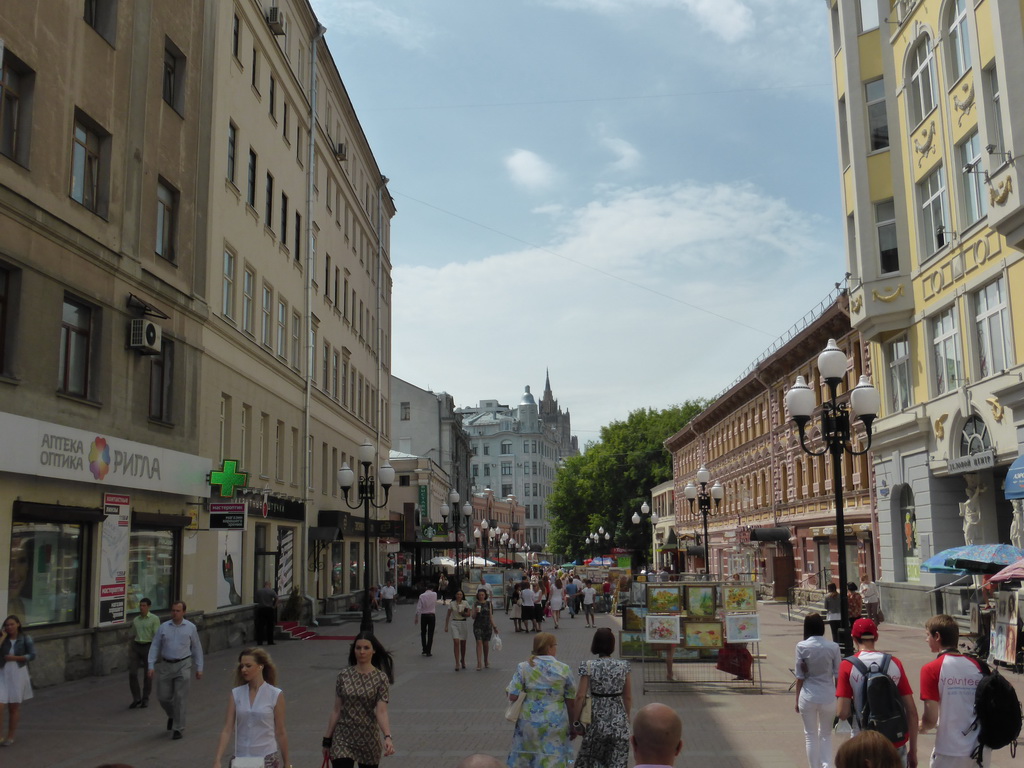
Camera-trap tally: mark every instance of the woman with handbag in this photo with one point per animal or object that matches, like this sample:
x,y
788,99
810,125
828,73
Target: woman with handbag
x,y
606,681
457,619
483,627
255,715
361,707
16,651
547,692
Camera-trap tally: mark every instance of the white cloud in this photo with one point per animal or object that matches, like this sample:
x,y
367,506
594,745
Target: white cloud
x,y
367,18
628,157
631,291
528,169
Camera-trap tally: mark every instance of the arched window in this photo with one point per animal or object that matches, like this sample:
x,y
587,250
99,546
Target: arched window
x,y
974,437
959,44
921,94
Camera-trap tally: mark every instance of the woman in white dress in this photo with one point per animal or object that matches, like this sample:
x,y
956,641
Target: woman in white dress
x,y
16,651
255,713
556,601
458,613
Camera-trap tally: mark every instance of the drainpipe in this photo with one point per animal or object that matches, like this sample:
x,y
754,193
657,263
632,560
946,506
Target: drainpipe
x,y
307,394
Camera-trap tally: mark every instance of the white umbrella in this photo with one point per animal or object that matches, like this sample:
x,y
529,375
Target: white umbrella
x,y
441,560
476,561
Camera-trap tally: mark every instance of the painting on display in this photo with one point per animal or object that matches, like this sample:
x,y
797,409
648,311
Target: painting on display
x,y
633,618
700,601
1004,633
742,628
638,593
703,634
663,599
633,646
741,599
662,629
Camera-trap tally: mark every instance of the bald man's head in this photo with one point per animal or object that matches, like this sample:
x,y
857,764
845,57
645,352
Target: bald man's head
x,y
480,761
657,735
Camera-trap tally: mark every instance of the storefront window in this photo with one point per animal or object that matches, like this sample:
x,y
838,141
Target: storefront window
x,y
46,572
152,554
337,568
353,557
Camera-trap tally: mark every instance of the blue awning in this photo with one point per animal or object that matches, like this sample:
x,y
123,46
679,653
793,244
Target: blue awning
x,y
1015,479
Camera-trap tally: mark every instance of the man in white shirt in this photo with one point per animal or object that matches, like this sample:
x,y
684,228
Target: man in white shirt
x,y
426,607
528,605
657,737
948,685
589,595
387,596
171,653
872,599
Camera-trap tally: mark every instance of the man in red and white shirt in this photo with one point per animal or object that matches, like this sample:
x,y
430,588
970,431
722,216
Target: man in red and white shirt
x,y
948,685
850,686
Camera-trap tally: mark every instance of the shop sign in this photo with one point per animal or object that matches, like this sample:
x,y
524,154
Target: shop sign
x,y
972,463
227,517
42,449
115,533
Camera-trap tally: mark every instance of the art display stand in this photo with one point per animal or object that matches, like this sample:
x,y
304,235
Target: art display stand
x,y
711,628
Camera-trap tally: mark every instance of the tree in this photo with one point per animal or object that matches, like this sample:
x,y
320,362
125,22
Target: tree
x,y
607,483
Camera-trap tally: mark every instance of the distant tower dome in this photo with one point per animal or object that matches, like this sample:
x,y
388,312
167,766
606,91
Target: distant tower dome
x,y
528,398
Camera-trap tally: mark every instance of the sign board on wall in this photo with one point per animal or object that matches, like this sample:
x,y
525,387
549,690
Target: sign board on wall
x,y
116,531
227,516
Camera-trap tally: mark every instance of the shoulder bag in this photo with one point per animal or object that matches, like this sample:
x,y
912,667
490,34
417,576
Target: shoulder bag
x,y
587,713
513,708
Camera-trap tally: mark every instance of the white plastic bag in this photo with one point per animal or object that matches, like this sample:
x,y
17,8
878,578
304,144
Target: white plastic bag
x,y
496,643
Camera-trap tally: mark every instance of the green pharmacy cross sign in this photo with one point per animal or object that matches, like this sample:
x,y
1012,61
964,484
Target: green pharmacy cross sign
x,y
228,478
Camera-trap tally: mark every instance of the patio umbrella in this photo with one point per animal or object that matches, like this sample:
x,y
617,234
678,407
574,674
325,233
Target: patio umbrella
x,y
937,563
441,560
985,558
1013,572
476,561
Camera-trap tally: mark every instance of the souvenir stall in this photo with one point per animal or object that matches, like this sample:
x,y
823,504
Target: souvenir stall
x,y
693,632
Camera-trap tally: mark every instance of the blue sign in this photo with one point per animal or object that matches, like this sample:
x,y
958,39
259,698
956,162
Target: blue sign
x,y
1015,479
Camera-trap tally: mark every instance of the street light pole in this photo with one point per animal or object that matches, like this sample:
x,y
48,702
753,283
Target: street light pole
x,y
367,492
703,497
646,513
836,434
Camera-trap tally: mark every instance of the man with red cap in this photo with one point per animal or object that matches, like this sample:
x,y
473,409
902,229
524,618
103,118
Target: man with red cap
x,y
850,686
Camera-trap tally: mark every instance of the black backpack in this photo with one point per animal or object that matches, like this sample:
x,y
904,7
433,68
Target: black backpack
x,y
881,707
997,713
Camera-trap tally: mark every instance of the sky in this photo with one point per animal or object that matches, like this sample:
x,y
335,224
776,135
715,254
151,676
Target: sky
x,y
637,196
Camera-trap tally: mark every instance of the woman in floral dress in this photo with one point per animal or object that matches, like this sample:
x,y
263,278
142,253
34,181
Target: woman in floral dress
x,y
541,737
361,707
606,740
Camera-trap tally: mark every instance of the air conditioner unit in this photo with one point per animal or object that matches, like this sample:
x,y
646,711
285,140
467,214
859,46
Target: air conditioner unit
x,y
144,336
341,151
275,20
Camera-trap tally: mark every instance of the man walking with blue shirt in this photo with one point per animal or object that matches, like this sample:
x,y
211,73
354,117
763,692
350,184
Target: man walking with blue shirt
x,y
174,649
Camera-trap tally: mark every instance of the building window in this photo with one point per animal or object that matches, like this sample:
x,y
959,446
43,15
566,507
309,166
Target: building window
x,y
5,297
993,328
487,449
235,35
335,367
268,214
17,85
285,109
900,392
296,335
972,180
75,348
166,219
232,146
506,447
250,187
325,382
921,95
161,378
254,73
101,15
878,120
959,43
266,318
888,248
487,470
152,567
934,211
228,297
174,76
867,15
248,300
946,343
506,468
476,470
298,235
282,329
405,412
506,490
272,98
47,577
974,437
995,111
89,164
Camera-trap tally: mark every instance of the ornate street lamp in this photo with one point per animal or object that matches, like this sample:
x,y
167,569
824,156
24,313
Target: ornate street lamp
x,y
646,513
367,492
703,497
835,433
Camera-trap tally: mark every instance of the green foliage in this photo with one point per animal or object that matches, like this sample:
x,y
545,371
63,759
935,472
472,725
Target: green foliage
x,y
607,483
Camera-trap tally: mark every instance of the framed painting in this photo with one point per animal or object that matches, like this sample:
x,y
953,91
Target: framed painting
x,y
740,599
661,599
700,601
742,628
703,634
638,593
633,618
632,646
662,629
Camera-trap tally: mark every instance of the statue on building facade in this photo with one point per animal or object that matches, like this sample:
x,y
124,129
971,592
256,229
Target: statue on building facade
x,y
1017,525
970,510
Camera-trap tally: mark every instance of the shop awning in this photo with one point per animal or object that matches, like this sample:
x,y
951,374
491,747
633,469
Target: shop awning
x,y
1015,479
770,534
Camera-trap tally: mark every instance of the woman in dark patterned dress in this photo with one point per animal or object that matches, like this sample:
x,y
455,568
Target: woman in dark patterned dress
x,y
361,707
606,680
483,627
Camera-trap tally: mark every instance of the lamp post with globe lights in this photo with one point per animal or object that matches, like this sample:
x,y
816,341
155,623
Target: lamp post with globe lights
x,y
703,498
367,498
646,513
836,434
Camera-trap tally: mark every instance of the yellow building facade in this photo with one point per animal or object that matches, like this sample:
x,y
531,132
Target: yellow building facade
x,y
929,99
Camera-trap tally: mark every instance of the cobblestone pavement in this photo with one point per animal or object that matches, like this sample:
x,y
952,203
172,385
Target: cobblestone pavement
x,y
437,715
